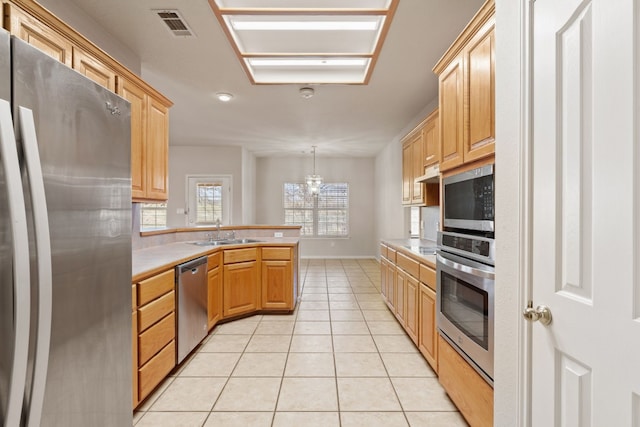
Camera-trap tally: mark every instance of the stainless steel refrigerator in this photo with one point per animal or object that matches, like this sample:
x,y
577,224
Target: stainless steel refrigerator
x,y
65,246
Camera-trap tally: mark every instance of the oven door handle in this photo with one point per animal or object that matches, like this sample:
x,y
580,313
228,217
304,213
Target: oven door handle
x,y
486,273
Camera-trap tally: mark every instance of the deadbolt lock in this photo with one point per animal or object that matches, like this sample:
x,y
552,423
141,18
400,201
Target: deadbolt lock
x,y
541,313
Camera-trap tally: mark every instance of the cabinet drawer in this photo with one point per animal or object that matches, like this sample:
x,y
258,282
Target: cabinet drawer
x,y
151,374
276,254
240,255
428,276
407,264
213,260
156,337
156,310
134,299
155,286
391,255
383,251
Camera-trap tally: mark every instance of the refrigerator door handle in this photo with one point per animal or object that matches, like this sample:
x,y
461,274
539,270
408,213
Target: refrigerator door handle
x,y
21,279
27,129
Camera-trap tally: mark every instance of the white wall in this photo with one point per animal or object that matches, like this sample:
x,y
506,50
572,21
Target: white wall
x,y
392,220
248,187
510,380
219,160
88,27
273,172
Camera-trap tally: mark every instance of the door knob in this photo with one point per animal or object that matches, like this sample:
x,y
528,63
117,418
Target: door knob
x,y
541,313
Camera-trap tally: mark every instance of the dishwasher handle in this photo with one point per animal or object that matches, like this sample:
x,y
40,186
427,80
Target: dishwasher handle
x,y
192,266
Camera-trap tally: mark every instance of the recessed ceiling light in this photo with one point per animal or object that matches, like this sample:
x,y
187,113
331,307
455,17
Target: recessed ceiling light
x,y
305,25
307,92
224,97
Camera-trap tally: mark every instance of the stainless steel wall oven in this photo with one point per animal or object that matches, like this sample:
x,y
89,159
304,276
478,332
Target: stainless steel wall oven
x,y
465,297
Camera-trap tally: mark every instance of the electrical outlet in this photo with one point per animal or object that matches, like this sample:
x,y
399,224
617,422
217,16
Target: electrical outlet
x,y
278,234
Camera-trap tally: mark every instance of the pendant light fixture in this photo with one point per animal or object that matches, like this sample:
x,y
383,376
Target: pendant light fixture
x,y
314,181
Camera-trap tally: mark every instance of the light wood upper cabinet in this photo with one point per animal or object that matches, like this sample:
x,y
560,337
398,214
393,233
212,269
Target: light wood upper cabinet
x,y
451,115
431,140
138,99
93,69
37,34
480,66
31,22
466,76
414,152
157,150
149,143
407,173
417,196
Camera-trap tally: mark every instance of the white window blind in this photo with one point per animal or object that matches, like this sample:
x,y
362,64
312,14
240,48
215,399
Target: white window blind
x,y
325,215
208,202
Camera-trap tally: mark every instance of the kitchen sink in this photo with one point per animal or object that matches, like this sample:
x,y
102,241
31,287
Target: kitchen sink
x,y
211,242
224,242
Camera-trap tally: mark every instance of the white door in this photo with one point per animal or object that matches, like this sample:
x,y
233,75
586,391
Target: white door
x,y
586,210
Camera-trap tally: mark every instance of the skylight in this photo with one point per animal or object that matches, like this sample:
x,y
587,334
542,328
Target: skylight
x,y
310,41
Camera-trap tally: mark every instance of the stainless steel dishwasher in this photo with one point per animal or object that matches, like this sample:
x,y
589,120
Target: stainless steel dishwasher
x,y
192,305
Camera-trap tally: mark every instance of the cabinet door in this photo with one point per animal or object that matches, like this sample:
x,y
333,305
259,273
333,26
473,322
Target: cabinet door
x,y
214,297
407,173
38,34
136,96
157,150
93,69
401,286
411,308
134,357
277,286
384,267
431,140
417,195
451,115
480,91
240,288
391,286
428,333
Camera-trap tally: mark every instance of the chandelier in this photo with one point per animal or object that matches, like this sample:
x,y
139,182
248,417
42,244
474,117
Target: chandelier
x,y
314,181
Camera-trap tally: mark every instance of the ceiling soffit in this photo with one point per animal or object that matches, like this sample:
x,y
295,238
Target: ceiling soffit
x,y
305,42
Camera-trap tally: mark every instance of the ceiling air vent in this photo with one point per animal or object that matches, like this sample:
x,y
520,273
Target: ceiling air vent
x,y
175,23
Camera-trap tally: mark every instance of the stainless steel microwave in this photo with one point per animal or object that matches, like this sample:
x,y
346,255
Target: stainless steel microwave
x,y
468,200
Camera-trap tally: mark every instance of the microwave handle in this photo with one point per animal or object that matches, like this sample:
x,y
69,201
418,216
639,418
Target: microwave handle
x,y
488,274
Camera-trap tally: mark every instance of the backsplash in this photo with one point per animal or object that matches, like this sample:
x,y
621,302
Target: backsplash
x,y
430,222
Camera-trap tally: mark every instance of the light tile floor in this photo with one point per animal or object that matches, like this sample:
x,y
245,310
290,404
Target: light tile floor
x,y
341,359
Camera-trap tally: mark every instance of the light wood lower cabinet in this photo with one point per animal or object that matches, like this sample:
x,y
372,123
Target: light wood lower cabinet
x,y
428,331
214,296
466,388
411,307
400,301
154,332
277,285
240,292
410,294
134,344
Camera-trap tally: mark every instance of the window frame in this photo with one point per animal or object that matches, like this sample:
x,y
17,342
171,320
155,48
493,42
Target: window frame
x,y
315,209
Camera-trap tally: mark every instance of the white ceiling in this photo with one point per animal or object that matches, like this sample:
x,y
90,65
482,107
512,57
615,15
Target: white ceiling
x,y
273,120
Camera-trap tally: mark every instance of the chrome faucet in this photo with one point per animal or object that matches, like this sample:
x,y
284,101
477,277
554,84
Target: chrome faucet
x,y
218,230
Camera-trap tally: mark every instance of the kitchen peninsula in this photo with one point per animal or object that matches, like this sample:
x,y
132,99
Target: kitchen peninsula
x,y
252,273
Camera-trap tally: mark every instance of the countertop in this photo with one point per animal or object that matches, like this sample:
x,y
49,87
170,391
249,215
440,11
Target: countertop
x,y
150,261
411,247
